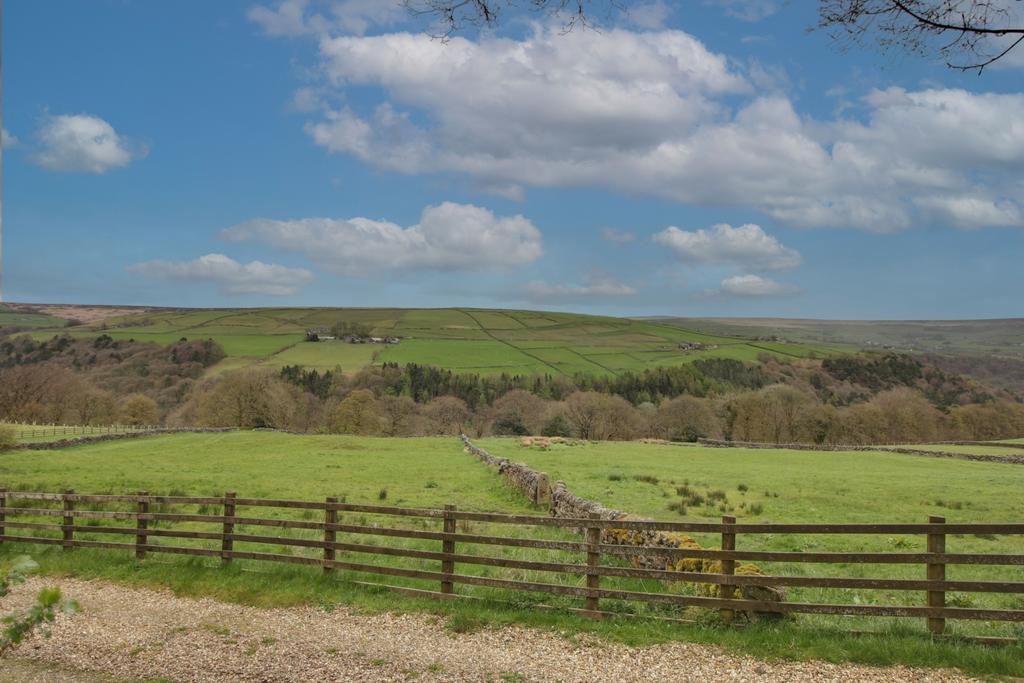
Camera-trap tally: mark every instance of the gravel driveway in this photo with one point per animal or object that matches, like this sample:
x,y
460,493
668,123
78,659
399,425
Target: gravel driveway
x,y
133,634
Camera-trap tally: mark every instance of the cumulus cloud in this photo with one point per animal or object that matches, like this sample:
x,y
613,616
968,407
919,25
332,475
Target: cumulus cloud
x,y
971,212
617,236
747,246
81,142
595,286
448,237
7,140
234,278
658,113
753,286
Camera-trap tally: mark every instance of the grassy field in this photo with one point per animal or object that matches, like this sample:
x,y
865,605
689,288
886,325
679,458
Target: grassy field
x,y
12,318
429,472
466,340
805,487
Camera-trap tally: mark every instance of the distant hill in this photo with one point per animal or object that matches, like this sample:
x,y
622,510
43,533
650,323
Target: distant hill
x,y
988,350
484,341
1000,336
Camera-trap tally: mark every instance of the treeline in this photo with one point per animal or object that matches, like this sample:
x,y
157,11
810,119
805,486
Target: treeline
x,y
880,398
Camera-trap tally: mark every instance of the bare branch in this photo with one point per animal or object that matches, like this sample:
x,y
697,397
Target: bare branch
x,y
963,33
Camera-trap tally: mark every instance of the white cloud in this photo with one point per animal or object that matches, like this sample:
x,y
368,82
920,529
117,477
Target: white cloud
x,y
657,113
448,237
617,236
286,18
747,10
7,140
233,277
358,16
650,15
753,286
595,286
80,142
291,18
970,212
747,246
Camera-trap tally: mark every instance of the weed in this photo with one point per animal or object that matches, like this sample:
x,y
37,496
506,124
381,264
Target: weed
x,y
382,494
646,478
462,623
742,488
614,477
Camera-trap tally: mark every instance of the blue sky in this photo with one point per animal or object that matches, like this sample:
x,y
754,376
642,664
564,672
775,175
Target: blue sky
x,y
699,158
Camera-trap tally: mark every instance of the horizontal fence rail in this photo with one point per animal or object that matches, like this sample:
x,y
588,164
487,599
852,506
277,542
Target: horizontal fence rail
x,y
75,527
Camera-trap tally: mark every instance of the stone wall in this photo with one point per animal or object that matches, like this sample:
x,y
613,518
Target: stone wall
x,y
99,438
566,504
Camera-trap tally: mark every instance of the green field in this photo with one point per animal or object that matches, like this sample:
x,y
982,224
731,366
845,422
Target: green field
x,y
805,487
467,340
429,472
12,318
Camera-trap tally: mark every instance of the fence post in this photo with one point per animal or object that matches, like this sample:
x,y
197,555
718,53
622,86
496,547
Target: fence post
x,y
330,535
448,548
69,520
936,572
725,590
227,542
142,507
593,561
3,504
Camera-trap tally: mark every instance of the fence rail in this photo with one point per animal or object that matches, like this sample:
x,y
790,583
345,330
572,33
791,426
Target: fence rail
x,y
36,431
452,551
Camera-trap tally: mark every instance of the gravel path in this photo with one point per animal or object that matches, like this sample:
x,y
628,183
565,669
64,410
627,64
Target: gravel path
x,y
132,634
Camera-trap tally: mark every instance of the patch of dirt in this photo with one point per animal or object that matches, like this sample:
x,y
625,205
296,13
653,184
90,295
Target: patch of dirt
x,y
82,313
131,633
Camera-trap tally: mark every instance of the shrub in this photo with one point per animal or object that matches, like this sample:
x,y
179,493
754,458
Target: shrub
x,y
382,494
8,437
742,488
557,426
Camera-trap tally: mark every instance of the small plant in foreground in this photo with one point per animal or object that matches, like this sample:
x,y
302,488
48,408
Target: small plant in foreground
x,y
382,494
646,478
742,488
49,602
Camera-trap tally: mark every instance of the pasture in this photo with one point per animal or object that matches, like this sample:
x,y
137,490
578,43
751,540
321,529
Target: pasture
x,y
430,472
480,341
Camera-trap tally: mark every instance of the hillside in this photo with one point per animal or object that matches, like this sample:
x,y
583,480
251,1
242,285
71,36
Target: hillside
x,y
999,336
487,342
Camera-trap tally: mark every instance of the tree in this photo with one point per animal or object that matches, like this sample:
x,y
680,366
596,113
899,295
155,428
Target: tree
x,y
517,413
396,413
355,414
686,418
138,410
968,35
446,415
246,398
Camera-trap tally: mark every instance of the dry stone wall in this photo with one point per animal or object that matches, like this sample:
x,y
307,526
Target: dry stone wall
x,y
566,504
99,438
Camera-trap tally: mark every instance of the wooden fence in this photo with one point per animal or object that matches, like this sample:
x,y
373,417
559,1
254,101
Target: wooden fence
x,y
33,431
452,551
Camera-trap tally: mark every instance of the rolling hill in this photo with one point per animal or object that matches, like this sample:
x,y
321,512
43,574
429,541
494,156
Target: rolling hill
x,y
466,340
